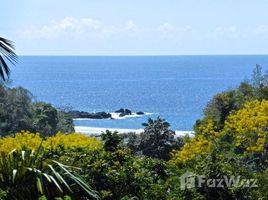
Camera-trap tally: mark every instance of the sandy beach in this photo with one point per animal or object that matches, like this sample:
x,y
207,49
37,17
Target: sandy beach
x,y
97,130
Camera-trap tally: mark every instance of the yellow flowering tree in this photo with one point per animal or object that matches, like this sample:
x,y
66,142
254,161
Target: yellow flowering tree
x,y
207,128
249,126
201,145
196,147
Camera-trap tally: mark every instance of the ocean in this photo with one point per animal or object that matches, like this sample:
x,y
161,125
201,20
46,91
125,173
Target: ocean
x,y
176,88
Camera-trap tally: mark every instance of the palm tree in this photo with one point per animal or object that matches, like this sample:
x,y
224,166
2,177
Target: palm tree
x,y
7,52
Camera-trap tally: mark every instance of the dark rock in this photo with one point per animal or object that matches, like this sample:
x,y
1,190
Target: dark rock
x,y
121,110
82,114
101,115
127,112
140,113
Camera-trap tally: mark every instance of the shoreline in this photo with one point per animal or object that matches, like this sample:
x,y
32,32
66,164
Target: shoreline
x,y
98,130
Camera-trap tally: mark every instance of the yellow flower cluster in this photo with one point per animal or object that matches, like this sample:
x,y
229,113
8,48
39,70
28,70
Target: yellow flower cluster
x,y
200,145
33,141
73,140
21,140
207,128
197,146
249,126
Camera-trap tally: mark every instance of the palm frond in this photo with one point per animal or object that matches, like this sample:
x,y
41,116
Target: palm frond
x,y
78,180
28,168
7,51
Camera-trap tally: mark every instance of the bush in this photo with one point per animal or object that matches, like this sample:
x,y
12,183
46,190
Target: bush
x,y
157,140
119,174
112,140
27,175
58,142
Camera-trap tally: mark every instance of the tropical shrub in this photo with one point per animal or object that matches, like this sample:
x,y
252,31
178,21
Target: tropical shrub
x,y
72,141
215,166
112,140
60,141
157,140
27,175
119,174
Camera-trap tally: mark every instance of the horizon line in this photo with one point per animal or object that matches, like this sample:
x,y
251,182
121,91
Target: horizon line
x,y
146,55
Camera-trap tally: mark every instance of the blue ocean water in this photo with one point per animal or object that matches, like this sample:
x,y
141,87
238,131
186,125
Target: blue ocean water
x,y
176,88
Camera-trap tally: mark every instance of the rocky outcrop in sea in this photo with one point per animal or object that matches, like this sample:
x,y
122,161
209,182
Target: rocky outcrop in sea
x,y
122,112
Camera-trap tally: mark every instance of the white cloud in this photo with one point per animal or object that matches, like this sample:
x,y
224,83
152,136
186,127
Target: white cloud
x,y
92,29
166,28
90,23
68,26
66,23
72,27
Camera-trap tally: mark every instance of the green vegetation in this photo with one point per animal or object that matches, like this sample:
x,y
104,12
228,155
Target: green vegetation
x,y
18,112
156,141
32,169
224,103
230,141
27,175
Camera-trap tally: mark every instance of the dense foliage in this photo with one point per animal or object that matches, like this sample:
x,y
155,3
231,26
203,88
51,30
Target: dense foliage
x,y
29,168
157,140
27,175
18,112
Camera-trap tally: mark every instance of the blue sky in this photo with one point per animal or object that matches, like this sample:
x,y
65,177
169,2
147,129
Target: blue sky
x,y
125,27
